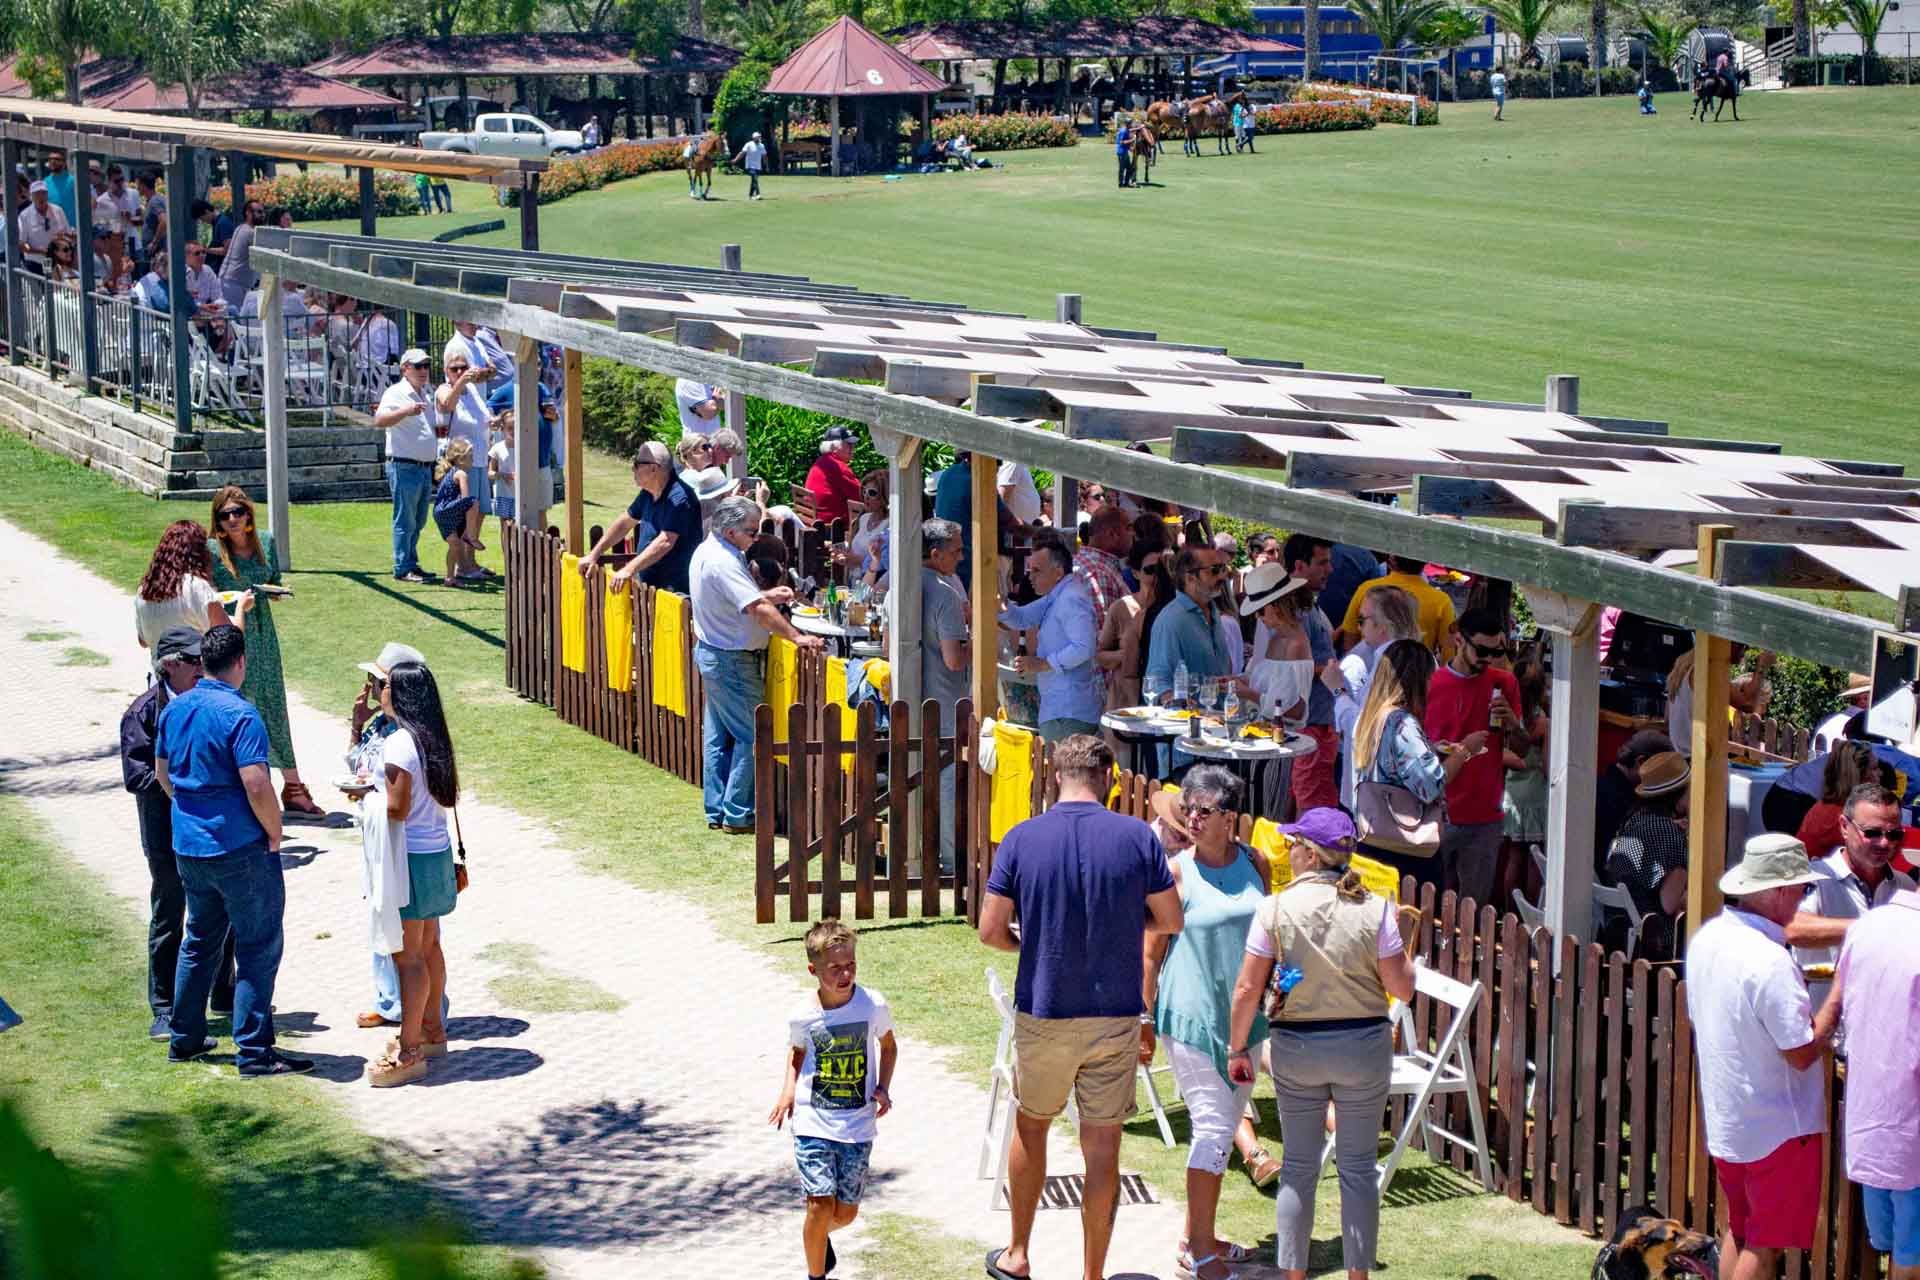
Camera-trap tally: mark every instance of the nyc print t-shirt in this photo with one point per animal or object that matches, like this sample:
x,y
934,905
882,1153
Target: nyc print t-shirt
x,y
834,1098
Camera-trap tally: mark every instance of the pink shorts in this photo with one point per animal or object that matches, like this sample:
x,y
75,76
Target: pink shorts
x,y
1774,1202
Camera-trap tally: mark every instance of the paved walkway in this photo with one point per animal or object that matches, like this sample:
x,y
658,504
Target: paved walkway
x,y
621,1143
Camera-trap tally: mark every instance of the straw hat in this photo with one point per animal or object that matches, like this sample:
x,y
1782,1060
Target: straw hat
x,y
1662,774
1772,861
1264,585
1858,686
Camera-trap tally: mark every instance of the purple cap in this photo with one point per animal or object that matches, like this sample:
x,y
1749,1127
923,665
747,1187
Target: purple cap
x,y
1327,827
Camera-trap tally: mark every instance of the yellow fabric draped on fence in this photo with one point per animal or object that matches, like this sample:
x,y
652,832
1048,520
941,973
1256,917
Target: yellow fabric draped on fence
x,y
1270,840
670,652
836,696
783,682
1012,779
573,615
619,638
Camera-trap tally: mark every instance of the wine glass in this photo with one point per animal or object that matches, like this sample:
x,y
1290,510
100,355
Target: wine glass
x,y
1152,689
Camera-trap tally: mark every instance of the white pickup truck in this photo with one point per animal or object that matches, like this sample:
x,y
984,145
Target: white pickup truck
x,y
504,133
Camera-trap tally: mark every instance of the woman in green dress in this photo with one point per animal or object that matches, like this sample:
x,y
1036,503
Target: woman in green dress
x,y
243,559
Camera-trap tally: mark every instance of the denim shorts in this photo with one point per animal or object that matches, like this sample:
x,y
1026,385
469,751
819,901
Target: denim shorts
x,y
829,1168
1893,1223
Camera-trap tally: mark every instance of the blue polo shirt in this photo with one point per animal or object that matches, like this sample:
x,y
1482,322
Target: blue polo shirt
x,y
207,735
675,511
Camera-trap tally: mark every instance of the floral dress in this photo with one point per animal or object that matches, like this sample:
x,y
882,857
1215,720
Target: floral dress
x,y
265,686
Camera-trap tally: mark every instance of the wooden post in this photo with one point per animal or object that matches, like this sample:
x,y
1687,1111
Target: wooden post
x,y
10,202
1572,748
1066,490
369,203
1563,393
729,257
833,132
1707,794
180,298
88,357
530,213
531,514
985,587
906,481
273,332
736,401
576,469
236,184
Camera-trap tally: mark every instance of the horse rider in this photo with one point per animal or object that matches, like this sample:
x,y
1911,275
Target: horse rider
x,y
1723,68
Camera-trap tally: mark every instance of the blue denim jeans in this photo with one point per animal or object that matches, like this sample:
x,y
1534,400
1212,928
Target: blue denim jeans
x,y
386,989
736,681
412,486
242,890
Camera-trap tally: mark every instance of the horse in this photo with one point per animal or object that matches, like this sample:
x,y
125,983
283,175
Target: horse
x,y
1211,115
1718,90
1143,147
1165,118
711,150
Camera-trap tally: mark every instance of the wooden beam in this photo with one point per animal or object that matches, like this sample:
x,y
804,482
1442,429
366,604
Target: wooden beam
x,y
530,213
1572,759
1777,564
1203,446
574,420
369,203
10,203
1352,474
984,588
180,179
906,481
1829,492
1707,794
1563,393
87,359
1461,495
1775,622
273,391
1638,530
1750,504
529,509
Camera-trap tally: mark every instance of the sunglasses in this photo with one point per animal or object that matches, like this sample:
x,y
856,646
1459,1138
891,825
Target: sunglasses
x,y
1213,570
1891,834
228,513
1487,650
1199,810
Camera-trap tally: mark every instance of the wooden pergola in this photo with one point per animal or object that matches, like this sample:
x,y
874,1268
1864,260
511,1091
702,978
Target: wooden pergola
x,y
1058,394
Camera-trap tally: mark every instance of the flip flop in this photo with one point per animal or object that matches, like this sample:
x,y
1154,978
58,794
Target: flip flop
x,y
993,1268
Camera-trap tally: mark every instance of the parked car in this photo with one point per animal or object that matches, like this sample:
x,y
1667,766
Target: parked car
x,y
501,133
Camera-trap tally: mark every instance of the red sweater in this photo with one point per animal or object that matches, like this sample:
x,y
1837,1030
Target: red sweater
x,y
833,485
1457,706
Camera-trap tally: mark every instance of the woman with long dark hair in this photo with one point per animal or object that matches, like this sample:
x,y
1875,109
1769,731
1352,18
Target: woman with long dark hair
x,y
177,589
422,782
243,559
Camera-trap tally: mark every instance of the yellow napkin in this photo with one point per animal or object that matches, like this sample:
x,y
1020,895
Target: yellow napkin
x,y
619,639
783,682
573,615
1259,731
670,652
1012,779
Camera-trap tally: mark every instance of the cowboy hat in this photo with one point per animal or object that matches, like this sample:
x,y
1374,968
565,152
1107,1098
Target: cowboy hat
x,y
1662,774
1772,861
1264,585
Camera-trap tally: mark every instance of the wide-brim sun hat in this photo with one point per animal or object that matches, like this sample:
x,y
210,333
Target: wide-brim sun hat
x,y
1264,585
392,654
710,483
1663,773
1771,861
1858,686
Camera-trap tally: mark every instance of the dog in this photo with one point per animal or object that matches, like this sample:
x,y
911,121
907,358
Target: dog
x,y
1646,1246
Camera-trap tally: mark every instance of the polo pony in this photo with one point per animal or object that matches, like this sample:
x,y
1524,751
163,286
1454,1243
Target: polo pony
x,y
711,150
1143,146
1211,116
1715,89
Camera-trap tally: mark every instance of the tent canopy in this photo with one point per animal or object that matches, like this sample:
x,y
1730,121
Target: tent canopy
x,y
122,84
847,60
557,53
1150,37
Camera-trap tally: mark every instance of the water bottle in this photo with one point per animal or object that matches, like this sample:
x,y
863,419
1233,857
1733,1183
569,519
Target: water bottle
x,y
1182,685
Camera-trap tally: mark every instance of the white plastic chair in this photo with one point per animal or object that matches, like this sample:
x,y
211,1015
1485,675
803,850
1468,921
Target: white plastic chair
x,y
1615,897
1532,916
1424,1076
1147,1074
993,1163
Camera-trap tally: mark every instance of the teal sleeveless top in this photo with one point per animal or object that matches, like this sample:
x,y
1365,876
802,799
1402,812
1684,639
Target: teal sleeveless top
x,y
1196,981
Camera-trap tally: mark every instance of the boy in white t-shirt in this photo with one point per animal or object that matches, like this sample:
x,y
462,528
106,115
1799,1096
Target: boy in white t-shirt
x,y
842,1059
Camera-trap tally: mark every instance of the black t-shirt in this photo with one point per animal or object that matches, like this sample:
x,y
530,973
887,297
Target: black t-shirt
x,y
675,511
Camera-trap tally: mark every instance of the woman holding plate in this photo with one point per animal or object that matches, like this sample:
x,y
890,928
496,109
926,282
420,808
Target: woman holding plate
x,y
243,559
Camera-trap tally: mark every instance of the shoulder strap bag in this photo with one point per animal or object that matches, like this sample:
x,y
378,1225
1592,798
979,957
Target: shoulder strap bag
x,y
1390,817
460,879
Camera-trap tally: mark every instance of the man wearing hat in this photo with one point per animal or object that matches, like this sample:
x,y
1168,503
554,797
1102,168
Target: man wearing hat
x,y
1649,853
406,414
178,653
1763,1098
1853,702
39,223
831,480
666,511
753,156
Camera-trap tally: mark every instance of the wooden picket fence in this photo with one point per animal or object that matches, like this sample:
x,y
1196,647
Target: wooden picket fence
x,y
1776,738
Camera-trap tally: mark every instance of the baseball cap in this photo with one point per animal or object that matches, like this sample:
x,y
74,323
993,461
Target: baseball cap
x,y
38,188
500,399
1329,828
177,642
413,356
839,433
392,654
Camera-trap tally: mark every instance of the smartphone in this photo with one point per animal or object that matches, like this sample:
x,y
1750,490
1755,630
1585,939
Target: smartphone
x,y
752,484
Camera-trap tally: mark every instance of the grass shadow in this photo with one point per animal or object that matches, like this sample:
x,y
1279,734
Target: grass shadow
x,y
380,584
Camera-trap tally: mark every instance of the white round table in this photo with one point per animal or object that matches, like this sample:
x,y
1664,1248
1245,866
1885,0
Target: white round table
x,y
840,634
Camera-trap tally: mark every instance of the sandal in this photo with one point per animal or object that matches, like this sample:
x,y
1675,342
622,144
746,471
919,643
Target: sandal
x,y
1229,1252
295,798
1189,1268
396,1066
432,1048
369,1020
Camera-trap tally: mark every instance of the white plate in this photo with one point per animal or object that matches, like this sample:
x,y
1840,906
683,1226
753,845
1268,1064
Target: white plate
x,y
348,782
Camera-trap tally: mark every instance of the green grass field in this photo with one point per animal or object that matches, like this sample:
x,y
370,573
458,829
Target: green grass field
x,y
1753,280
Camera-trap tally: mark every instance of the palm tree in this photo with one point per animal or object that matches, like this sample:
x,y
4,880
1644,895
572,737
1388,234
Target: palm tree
x,y
1866,17
1599,46
64,33
1526,21
1397,22
1449,29
1310,33
1665,39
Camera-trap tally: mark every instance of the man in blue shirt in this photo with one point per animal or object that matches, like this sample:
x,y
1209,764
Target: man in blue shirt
x,y
667,513
1188,629
1122,144
210,756
1316,782
1071,690
59,180
1086,885
1351,566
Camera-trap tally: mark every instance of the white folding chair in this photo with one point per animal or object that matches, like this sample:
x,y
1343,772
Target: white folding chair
x,y
1616,898
1424,1076
1147,1074
1532,916
993,1163
1539,860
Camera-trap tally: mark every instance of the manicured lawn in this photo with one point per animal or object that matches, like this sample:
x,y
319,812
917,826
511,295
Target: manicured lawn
x,y
630,820
1752,280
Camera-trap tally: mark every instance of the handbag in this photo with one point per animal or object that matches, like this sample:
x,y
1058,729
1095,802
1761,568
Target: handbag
x,y
1390,817
460,878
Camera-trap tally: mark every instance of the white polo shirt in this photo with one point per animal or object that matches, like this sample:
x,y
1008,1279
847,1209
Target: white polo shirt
x,y
1748,1004
722,590
412,438
1841,895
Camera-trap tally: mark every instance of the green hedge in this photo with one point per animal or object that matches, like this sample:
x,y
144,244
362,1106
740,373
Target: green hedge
x,y
590,172
313,197
1010,132
741,107
1800,72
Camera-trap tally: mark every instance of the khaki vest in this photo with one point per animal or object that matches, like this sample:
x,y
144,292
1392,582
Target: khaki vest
x,y
1336,946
